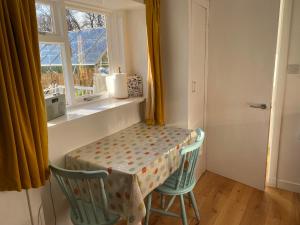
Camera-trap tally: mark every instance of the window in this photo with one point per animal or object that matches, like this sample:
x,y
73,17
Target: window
x,y
73,50
88,41
44,18
52,70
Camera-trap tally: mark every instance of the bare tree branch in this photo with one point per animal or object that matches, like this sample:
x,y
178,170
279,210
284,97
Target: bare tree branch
x,y
73,24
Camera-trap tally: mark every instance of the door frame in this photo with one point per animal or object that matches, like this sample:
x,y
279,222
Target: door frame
x,y
204,4
279,86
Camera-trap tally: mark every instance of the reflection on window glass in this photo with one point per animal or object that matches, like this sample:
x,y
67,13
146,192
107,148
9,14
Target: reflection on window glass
x,y
52,70
88,40
44,17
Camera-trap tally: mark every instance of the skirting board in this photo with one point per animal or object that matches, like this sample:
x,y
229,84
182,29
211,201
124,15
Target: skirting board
x,y
290,186
271,182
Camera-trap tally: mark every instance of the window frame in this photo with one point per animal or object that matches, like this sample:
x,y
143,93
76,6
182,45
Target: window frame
x,y
56,35
79,7
60,36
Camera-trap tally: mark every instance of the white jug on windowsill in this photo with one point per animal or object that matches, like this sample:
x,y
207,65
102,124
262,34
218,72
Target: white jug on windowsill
x,y
117,85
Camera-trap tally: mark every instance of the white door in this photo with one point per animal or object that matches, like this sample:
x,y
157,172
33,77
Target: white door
x,y
242,47
198,71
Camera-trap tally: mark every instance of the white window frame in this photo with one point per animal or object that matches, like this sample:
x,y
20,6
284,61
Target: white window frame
x,y
60,36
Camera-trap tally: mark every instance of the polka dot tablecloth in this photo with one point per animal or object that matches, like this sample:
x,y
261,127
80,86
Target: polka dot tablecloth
x,y
138,159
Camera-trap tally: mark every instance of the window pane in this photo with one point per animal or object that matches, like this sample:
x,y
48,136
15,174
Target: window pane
x,y
52,70
44,18
88,40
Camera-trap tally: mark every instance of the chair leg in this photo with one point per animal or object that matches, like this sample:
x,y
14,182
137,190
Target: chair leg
x,y
148,208
196,210
183,213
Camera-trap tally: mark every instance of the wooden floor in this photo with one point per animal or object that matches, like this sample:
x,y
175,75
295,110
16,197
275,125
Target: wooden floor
x,y
225,202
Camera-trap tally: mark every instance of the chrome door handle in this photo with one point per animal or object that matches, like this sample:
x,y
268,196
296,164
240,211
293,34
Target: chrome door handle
x,y
258,106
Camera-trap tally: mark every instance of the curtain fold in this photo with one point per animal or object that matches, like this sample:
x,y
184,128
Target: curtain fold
x,y
23,124
155,95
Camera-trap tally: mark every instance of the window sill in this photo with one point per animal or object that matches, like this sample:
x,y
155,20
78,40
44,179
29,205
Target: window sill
x,y
92,108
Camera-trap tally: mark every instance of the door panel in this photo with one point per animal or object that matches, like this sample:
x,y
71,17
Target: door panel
x,y
198,69
242,46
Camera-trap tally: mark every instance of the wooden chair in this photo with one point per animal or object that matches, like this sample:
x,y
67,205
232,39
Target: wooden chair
x,y
86,195
180,183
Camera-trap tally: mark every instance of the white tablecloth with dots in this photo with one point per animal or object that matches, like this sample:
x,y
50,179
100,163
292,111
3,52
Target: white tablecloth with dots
x,y
138,159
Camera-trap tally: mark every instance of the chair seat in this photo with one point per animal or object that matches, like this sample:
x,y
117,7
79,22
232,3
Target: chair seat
x,y
112,218
169,186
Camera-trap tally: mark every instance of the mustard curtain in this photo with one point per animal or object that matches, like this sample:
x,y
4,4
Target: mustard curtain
x,y
23,126
155,95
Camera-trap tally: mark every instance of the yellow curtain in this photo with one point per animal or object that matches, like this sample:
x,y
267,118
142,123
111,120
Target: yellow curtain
x,y
23,125
155,95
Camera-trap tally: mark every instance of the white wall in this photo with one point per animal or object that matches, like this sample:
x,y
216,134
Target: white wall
x,y
289,151
174,50
14,208
136,44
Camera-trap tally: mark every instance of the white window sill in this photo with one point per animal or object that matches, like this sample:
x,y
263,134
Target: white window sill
x,y
92,108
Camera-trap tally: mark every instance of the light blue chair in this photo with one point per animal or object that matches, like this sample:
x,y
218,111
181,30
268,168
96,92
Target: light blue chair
x,y
180,183
88,205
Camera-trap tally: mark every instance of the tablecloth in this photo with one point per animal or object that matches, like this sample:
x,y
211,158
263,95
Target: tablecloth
x,y
138,159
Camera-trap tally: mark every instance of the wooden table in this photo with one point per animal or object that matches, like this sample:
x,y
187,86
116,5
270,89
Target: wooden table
x,y
138,159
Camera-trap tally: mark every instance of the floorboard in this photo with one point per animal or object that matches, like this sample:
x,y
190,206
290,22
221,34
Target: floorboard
x,y
226,202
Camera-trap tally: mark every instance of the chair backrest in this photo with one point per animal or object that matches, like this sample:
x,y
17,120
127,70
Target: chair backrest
x,y
189,156
85,192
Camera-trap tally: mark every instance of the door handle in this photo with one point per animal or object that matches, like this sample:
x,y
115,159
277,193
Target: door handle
x,y
258,106
193,86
